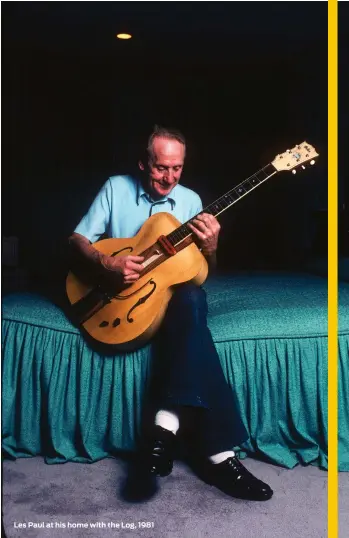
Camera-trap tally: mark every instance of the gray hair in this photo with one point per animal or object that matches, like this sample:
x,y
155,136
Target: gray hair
x,y
163,132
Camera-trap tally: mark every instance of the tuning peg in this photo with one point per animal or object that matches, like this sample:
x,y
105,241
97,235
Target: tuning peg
x,y
312,162
294,171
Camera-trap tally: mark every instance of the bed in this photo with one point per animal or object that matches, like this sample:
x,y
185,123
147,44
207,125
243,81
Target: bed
x,y
65,401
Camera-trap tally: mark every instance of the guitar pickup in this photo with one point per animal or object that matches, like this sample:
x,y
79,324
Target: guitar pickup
x,y
166,246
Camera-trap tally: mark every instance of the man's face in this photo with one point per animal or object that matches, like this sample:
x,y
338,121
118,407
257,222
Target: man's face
x,y
166,167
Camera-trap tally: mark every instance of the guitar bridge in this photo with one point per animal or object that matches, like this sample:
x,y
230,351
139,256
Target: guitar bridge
x,y
166,246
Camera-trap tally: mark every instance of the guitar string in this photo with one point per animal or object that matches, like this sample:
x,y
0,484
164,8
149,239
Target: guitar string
x,y
179,231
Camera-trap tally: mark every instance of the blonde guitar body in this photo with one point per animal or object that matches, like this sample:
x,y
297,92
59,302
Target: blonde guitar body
x,y
133,315
128,318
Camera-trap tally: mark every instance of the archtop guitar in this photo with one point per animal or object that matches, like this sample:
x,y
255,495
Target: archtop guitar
x,y
127,317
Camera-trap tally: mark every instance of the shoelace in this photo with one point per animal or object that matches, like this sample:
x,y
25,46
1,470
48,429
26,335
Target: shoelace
x,y
238,467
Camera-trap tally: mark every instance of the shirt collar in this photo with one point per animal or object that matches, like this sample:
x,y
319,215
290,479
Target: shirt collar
x,y
142,193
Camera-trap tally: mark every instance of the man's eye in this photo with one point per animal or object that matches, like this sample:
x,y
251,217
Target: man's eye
x,y
160,168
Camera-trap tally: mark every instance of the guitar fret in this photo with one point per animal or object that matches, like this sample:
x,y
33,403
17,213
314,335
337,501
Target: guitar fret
x,y
234,196
185,231
255,180
223,203
230,199
240,190
181,233
261,175
214,208
251,182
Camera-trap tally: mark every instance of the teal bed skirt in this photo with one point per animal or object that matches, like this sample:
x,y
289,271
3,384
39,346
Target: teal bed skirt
x,y
67,402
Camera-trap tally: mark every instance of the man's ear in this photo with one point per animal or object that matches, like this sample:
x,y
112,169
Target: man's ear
x,y
141,166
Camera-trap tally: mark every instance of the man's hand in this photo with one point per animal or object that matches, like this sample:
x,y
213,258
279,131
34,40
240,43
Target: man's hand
x,y
206,228
126,267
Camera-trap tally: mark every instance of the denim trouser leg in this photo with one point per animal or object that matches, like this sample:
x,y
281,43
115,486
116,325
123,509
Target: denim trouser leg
x,y
187,371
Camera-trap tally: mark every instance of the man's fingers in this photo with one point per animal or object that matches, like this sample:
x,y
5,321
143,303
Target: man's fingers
x,y
199,224
138,259
203,227
123,263
131,277
197,231
204,216
209,220
132,267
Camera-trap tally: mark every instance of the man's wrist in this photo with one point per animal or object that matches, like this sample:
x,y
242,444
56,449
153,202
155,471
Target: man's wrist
x,y
211,259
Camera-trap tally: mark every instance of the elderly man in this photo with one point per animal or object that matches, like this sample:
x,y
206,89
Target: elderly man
x,y
188,380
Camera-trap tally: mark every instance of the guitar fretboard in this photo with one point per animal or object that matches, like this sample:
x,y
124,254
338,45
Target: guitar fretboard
x,y
224,202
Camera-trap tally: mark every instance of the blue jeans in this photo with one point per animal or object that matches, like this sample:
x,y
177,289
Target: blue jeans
x,y
187,372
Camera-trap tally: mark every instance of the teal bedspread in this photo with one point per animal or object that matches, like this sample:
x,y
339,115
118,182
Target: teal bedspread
x,y
67,402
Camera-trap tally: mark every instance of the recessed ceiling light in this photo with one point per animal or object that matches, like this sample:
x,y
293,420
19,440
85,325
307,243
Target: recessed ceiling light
x,y
123,36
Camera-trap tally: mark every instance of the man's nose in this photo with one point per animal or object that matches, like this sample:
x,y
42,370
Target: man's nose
x,y
169,176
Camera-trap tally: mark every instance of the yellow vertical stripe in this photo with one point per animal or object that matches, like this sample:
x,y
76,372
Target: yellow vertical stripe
x,y
332,269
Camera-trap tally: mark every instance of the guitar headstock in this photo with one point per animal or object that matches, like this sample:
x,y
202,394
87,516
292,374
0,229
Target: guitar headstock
x,y
293,158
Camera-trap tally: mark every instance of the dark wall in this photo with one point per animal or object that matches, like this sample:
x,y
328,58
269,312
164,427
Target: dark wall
x,y
243,81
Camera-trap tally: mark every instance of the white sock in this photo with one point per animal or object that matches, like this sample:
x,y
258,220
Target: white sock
x,y
167,419
222,456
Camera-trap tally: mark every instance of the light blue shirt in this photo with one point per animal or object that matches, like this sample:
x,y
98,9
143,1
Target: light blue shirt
x,y
122,206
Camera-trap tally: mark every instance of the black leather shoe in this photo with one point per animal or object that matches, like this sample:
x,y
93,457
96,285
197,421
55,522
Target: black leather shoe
x,y
160,452
139,485
233,478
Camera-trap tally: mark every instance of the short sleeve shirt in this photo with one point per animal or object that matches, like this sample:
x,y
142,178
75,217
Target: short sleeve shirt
x,y
122,206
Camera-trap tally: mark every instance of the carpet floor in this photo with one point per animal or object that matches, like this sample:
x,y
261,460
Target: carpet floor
x,y
86,500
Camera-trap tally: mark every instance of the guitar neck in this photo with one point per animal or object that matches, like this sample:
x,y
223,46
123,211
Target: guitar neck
x,y
224,202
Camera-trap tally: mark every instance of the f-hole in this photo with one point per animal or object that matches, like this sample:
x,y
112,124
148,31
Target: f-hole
x,y
118,251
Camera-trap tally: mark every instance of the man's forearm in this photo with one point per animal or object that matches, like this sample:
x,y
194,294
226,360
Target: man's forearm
x,y
83,256
85,259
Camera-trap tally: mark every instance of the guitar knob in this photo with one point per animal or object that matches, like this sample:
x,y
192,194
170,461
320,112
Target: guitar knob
x,y
312,162
294,171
